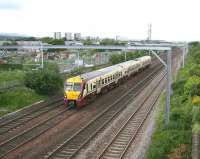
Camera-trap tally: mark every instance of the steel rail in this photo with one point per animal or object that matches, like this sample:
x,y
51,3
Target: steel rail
x,y
4,128
124,132
24,113
108,114
31,133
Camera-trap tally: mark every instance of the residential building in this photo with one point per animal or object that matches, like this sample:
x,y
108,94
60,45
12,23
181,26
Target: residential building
x,y
77,36
68,36
57,35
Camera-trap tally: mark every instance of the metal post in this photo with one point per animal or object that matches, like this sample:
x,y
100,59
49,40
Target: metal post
x,y
125,55
42,56
168,87
161,60
183,56
78,59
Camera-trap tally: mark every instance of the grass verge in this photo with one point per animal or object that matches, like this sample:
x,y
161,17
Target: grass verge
x,y
17,98
13,75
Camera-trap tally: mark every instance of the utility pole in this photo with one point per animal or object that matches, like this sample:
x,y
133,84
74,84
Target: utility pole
x,y
42,66
167,114
149,34
124,55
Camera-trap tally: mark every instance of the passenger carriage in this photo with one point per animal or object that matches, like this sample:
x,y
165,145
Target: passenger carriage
x,y
82,89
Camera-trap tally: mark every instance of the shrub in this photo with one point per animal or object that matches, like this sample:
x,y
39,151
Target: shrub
x,y
11,66
47,81
192,86
196,114
195,71
196,100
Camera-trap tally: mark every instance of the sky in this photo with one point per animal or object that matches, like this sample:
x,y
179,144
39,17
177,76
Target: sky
x,y
173,20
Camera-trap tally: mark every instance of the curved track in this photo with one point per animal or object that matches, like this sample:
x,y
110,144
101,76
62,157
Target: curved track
x,y
26,115
33,132
123,138
72,146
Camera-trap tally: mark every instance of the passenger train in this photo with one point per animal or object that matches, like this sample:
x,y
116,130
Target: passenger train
x,y
80,90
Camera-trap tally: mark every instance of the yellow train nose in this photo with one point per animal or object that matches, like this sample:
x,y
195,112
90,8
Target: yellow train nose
x,y
72,95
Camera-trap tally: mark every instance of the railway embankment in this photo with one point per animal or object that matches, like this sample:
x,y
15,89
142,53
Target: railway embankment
x,y
180,138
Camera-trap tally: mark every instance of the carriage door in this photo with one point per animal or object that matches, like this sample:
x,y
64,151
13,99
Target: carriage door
x,y
98,84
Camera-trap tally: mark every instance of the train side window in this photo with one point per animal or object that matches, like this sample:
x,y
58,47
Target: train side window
x,y
113,76
91,86
106,80
94,86
87,87
102,81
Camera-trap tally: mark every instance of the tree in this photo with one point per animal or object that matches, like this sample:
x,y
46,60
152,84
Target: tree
x,y
46,81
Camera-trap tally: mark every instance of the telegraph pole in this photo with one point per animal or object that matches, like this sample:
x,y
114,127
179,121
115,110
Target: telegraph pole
x,y
42,66
149,34
167,114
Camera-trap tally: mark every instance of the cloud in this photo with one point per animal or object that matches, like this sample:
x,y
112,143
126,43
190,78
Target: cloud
x,y
10,5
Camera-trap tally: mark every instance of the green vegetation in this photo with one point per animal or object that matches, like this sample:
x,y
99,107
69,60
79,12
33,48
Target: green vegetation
x,y
15,99
53,41
117,58
11,67
46,81
174,140
112,42
13,75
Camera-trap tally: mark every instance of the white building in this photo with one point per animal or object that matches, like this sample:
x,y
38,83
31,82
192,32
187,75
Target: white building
x,y
57,35
29,43
77,36
68,36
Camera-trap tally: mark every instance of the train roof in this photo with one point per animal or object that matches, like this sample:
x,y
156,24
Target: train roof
x,y
96,73
106,70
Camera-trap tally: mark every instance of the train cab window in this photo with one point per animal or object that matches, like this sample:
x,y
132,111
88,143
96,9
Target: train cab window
x,y
77,87
94,86
68,86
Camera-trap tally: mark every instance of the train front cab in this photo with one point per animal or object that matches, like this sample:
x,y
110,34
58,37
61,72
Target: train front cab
x,y
73,90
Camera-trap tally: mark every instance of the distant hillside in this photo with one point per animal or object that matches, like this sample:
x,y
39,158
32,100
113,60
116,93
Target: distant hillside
x,y
12,36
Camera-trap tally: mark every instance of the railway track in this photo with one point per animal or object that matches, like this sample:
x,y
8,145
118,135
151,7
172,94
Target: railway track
x,y
123,138
29,134
28,111
71,147
20,121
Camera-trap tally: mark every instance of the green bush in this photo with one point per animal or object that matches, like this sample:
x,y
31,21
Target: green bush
x,y
196,114
192,86
45,81
13,75
195,70
17,98
11,66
